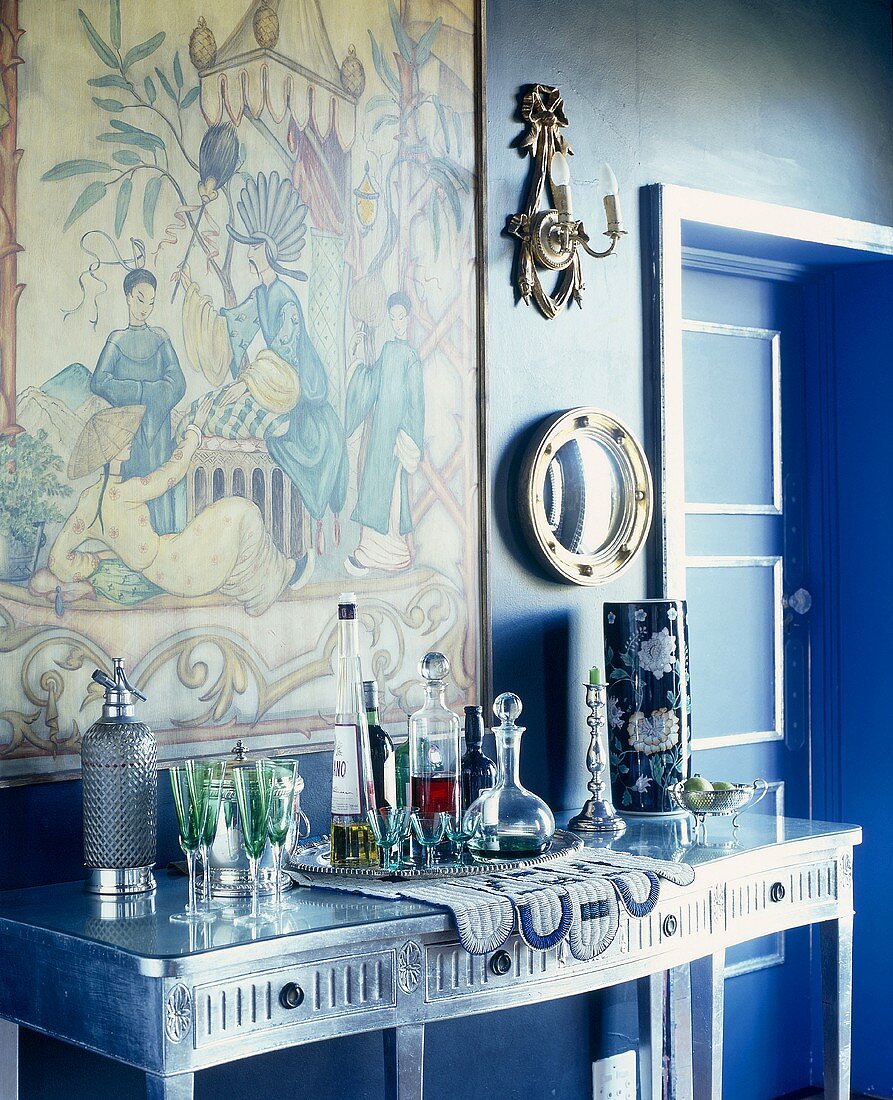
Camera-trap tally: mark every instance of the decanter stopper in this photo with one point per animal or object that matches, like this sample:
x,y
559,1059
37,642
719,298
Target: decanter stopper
x,y
507,708
434,667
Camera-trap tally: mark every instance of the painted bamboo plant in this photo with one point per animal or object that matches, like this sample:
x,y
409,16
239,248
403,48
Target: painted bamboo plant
x,y
426,177
157,151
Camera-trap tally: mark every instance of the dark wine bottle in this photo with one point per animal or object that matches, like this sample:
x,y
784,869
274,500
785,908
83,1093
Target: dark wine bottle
x,y
381,749
478,770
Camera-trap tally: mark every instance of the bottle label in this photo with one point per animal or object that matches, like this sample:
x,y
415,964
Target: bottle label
x,y
390,783
346,770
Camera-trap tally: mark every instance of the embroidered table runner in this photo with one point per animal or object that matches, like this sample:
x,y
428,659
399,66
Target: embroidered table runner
x,y
574,901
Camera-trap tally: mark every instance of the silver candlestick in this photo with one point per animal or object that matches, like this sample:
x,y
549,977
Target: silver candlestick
x,y
598,814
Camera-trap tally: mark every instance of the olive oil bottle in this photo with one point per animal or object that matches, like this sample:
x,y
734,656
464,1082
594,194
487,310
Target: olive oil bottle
x,y
353,788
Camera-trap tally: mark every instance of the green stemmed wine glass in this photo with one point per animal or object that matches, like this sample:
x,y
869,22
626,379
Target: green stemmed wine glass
x,y
191,786
282,775
429,832
253,785
218,768
461,828
390,827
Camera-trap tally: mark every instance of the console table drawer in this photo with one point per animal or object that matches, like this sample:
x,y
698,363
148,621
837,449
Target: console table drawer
x,y
292,994
451,972
809,885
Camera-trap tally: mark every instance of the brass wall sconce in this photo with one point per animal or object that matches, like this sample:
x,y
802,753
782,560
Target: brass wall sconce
x,y
552,239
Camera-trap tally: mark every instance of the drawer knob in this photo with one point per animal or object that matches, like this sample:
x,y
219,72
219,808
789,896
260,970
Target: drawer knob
x,y
501,963
291,995
777,891
671,925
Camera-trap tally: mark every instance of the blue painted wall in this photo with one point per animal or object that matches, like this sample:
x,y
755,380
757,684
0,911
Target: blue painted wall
x,y
788,102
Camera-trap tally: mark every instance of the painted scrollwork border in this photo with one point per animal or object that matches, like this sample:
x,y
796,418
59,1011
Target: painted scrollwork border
x,y
49,653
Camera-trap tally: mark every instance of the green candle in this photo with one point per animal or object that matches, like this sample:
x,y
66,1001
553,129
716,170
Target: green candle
x,y
595,676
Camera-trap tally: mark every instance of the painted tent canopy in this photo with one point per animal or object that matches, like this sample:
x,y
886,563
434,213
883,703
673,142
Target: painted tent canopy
x,y
238,366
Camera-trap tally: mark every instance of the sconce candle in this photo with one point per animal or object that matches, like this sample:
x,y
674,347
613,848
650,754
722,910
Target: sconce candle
x,y
560,178
595,676
612,197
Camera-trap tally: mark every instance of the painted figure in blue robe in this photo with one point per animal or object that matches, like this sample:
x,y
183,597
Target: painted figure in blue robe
x,y
312,452
387,396
310,448
138,366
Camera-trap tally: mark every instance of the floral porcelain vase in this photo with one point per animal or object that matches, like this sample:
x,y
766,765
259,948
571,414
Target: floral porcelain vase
x,y
649,732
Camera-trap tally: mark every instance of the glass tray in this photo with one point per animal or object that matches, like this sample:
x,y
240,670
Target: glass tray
x,y
312,858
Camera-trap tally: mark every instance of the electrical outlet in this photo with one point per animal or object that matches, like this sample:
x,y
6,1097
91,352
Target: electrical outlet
x,y
615,1078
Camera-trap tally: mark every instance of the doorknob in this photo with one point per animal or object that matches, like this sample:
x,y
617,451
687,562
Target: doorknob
x,y
799,601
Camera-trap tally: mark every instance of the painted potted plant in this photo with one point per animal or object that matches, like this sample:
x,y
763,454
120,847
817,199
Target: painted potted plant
x,y
29,488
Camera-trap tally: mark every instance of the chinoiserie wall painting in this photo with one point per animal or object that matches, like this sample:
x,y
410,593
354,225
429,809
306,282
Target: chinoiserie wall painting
x,y
239,361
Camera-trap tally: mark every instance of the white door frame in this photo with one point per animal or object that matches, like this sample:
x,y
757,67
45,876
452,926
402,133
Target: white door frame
x,y
670,206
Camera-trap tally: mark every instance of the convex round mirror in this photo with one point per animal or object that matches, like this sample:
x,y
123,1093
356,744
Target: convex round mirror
x,y
586,495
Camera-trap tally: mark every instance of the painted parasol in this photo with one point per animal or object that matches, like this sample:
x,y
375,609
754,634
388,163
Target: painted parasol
x,y
104,437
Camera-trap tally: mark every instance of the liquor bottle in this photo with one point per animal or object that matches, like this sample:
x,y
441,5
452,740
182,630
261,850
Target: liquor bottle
x,y
353,788
478,770
401,768
434,744
381,750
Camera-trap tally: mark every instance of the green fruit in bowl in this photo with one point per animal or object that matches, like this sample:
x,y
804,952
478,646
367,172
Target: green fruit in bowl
x,y
721,786
697,783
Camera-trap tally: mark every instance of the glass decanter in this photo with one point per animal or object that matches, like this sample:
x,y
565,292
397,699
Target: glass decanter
x,y
434,762
515,822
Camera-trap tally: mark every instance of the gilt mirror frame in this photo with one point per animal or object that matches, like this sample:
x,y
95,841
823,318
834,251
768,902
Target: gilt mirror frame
x,y
630,529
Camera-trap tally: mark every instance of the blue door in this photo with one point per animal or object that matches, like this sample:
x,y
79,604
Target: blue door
x,y
748,600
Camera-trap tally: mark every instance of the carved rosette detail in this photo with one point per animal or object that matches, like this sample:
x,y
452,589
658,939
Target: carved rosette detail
x,y
718,903
846,869
178,1014
409,966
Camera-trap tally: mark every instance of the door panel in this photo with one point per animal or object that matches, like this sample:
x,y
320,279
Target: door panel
x,y
732,402
735,629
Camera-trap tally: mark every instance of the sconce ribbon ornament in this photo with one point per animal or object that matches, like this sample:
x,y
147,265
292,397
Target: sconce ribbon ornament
x,y
551,238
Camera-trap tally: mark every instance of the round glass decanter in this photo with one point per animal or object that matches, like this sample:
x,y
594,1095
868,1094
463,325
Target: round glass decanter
x,y
514,821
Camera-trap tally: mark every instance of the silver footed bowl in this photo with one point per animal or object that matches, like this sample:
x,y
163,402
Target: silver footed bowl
x,y
721,803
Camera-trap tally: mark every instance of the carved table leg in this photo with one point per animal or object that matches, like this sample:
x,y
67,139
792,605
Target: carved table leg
x,y
836,938
9,1060
680,1033
650,994
404,1061
707,989
178,1087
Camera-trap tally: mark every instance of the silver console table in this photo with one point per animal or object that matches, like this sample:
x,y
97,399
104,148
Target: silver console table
x,y
173,1000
